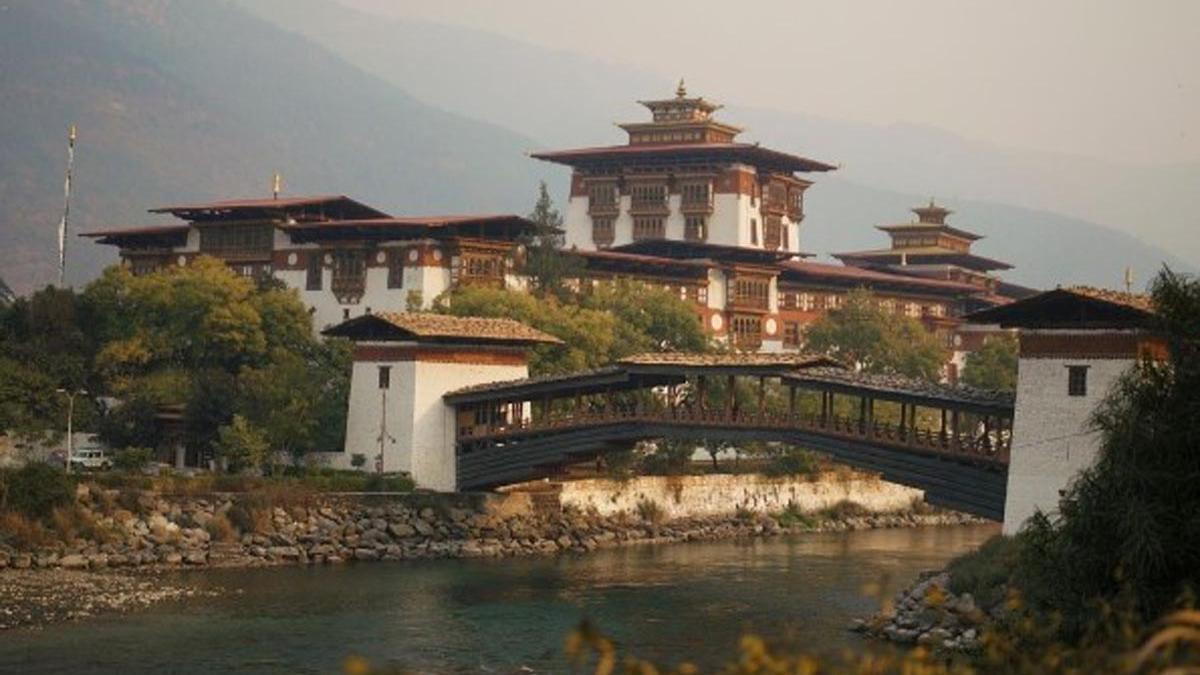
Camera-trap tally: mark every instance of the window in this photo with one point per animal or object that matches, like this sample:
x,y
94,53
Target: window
x,y
695,228
752,292
1077,380
602,231
772,232
312,278
349,271
791,334
648,196
385,377
694,194
237,241
395,269
648,228
754,231
747,332
602,196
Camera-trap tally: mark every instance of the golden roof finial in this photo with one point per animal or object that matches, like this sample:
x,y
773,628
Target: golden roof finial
x,y
276,185
681,91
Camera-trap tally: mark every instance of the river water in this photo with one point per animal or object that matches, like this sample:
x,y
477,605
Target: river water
x,y
502,616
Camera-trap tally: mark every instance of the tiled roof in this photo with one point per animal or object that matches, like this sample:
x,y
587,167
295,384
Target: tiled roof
x,y
539,379
749,151
412,221
782,360
1139,301
906,386
420,325
423,324
134,231
931,252
281,202
852,273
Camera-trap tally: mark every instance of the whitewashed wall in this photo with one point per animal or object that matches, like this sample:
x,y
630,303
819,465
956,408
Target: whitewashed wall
x,y
1051,441
723,494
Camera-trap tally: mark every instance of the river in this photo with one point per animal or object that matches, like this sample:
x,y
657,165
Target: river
x,y
502,616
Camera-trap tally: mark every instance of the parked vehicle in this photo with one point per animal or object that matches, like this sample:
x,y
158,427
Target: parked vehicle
x,y
90,456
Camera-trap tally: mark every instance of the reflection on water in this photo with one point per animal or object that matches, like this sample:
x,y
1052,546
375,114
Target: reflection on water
x,y
470,616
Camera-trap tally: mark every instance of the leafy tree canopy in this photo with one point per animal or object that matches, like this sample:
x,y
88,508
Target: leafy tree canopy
x,y
993,366
610,321
862,334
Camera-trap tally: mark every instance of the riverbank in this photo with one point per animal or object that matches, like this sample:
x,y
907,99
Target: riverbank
x,y
123,538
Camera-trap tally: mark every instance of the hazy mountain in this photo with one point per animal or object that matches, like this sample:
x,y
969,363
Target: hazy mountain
x,y
564,99
1047,249
178,99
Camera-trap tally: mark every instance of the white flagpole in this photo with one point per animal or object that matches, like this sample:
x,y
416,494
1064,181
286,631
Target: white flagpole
x,y
62,224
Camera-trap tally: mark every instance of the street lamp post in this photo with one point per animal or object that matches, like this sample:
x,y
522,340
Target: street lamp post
x,y
70,421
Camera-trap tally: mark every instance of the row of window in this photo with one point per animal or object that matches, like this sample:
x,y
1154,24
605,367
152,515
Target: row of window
x,y
751,292
695,228
237,241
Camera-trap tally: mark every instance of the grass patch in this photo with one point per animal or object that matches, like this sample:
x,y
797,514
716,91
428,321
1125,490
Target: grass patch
x,y
794,516
649,511
843,510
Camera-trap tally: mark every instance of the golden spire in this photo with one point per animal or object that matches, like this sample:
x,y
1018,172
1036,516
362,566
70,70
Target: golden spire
x,y
681,91
276,185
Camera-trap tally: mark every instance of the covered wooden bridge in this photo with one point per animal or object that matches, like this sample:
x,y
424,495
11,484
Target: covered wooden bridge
x,y
951,442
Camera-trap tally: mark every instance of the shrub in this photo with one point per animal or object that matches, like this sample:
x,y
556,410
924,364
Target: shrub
x,y
793,516
984,572
220,528
649,511
789,460
133,459
20,532
844,509
358,460
36,489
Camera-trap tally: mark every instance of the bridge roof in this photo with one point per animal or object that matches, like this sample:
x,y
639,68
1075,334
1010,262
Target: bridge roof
x,y
905,389
640,371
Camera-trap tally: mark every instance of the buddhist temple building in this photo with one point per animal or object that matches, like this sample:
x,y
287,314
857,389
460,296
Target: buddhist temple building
x,y
683,205
345,258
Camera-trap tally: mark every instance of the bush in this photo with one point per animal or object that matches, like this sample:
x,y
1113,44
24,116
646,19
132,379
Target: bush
x,y
35,490
843,510
984,572
649,511
133,459
794,516
790,460
220,528
358,460
20,532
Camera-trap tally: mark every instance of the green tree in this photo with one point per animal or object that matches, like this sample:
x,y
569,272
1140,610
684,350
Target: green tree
x,y
649,318
299,403
861,334
1129,526
993,366
609,322
546,264
29,403
241,445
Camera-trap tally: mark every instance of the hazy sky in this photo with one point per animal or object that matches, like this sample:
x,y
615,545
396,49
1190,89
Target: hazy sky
x,y
1113,79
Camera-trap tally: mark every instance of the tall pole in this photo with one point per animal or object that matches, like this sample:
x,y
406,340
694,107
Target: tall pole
x,y
62,224
383,432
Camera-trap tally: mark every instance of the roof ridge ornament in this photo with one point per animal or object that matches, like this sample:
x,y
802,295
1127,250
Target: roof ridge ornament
x,y
681,90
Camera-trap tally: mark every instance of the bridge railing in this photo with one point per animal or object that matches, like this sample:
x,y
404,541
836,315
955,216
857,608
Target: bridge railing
x,y
991,445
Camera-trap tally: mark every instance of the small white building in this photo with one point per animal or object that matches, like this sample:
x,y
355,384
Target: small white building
x,y
1074,344
403,364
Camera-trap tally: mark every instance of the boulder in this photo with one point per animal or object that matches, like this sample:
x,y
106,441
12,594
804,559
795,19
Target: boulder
x,y
73,562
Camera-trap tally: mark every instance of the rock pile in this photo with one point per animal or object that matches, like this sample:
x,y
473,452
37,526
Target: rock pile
x,y
927,613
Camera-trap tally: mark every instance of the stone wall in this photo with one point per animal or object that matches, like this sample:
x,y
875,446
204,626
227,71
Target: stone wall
x,y
136,529
726,494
